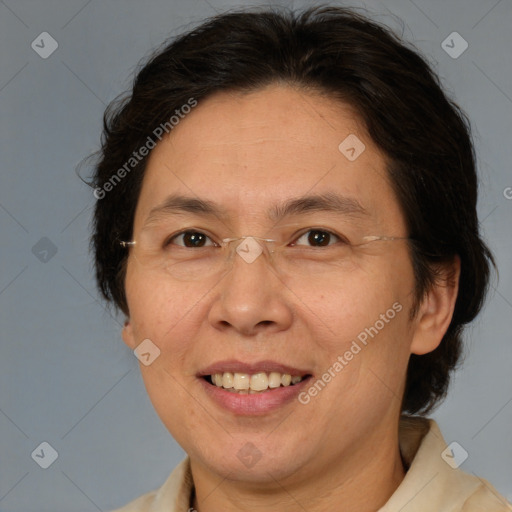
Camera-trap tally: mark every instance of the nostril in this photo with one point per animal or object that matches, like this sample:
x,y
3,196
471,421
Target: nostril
x,y
265,322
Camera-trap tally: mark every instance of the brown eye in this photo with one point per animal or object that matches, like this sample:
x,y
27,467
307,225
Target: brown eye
x,y
317,238
192,239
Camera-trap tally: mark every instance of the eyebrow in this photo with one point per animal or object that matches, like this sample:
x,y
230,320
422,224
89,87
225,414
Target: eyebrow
x,y
328,202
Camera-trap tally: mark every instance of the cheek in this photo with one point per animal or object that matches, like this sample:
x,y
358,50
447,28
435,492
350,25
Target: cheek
x,y
360,298
157,306
164,313
363,333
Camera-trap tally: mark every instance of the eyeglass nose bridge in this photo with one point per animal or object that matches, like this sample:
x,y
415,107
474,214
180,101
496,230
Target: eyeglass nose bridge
x,y
250,247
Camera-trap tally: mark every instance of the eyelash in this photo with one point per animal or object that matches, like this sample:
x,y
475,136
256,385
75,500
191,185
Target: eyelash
x,y
339,238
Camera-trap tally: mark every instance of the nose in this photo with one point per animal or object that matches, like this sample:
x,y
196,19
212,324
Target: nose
x,y
251,298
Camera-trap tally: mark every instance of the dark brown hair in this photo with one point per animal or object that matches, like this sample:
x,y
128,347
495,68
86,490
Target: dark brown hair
x,y
350,58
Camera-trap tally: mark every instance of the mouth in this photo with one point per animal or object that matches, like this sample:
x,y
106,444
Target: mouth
x,y
248,389
250,384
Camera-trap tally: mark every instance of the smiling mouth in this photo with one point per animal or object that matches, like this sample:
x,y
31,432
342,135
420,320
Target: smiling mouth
x,y
245,383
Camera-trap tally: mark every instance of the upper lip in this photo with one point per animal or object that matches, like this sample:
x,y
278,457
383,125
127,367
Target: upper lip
x,y
233,365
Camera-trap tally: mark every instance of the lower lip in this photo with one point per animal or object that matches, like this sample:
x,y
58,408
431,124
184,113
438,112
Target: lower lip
x,y
257,403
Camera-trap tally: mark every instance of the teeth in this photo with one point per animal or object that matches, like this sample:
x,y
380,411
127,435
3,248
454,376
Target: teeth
x,y
259,381
274,380
286,379
227,380
243,383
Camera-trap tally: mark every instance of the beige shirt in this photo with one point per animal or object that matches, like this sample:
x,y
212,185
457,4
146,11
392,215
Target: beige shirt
x,y
430,484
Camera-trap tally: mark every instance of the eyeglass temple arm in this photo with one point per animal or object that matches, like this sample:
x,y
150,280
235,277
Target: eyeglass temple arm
x,y
122,243
125,244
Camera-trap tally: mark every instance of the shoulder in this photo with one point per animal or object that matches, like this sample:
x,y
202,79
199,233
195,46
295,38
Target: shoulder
x,y
485,499
141,504
434,480
173,496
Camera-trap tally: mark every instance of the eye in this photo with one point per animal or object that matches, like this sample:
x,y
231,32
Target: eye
x,y
317,238
192,239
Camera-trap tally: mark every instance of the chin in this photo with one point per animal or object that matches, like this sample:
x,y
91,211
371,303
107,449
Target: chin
x,y
254,461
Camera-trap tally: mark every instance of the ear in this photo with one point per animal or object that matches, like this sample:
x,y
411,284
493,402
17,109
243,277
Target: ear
x,y
127,334
436,310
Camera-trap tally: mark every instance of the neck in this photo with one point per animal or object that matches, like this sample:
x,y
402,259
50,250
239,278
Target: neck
x,y
359,480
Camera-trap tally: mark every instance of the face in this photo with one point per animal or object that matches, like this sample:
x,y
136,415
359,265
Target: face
x,y
343,327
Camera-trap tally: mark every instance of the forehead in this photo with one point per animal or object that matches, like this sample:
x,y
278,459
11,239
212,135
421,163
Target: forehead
x,y
250,152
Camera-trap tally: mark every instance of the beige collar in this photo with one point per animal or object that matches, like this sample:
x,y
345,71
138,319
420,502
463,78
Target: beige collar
x,y
430,484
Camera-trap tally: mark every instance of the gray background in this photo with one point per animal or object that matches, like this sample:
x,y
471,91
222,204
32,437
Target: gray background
x,y
65,376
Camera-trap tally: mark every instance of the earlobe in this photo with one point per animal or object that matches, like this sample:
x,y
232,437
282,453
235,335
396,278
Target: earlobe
x,y
127,334
436,310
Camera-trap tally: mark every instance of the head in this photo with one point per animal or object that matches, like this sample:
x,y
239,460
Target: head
x,y
248,113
